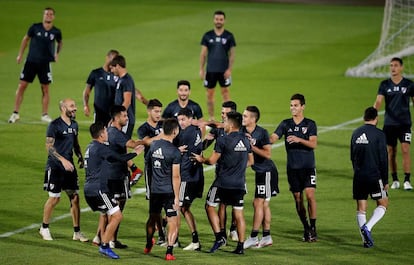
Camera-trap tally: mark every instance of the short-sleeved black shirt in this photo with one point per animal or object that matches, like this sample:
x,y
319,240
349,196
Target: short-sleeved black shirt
x,y
117,142
397,101
42,43
146,130
298,155
234,149
191,136
260,138
105,85
161,157
64,136
218,49
126,84
171,111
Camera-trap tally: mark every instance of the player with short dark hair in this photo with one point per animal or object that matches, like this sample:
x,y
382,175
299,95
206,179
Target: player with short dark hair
x,y
148,132
266,178
192,176
397,92
300,141
61,175
104,82
217,50
183,101
370,163
42,37
218,131
119,180
98,161
232,153
164,159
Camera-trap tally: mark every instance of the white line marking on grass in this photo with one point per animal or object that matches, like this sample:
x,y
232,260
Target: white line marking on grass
x,y
208,168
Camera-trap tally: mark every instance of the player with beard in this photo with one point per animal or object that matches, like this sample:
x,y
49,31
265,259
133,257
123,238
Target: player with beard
x,y
217,49
61,142
42,37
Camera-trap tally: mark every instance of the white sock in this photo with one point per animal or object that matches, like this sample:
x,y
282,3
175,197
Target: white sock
x,y
361,218
376,216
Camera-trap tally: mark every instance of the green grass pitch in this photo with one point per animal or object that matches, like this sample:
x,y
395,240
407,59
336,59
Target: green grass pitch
x,y
281,49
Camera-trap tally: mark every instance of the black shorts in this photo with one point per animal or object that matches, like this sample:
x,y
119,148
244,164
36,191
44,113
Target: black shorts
x,y
267,184
158,201
42,70
299,179
363,188
102,203
57,179
394,133
188,192
212,198
118,188
232,197
212,78
102,116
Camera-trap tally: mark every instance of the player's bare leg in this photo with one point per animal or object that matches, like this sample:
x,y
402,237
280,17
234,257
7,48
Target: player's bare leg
x,y
210,103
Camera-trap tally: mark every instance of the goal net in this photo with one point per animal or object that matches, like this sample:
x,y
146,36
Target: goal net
x,y
397,40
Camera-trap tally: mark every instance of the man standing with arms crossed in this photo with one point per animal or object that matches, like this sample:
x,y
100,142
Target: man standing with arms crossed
x,y
369,161
217,49
42,52
397,92
61,141
300,141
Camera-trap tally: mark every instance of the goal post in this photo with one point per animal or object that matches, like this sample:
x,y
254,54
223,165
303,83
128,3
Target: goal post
x,y
397,40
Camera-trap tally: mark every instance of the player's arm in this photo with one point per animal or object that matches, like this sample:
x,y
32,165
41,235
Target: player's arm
x,y
127,99
78,152
250,160
140,97
265,151
203,56
273,138
134,143
176,181
311,143
58,49
23,46
209,160
86,94
51,150
227,73
378,101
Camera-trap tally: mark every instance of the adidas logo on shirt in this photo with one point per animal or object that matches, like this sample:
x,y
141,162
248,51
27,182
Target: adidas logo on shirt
x,y
158,153
240,147
362,139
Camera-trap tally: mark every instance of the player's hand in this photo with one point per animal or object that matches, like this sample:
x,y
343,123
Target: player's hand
x,y
183,148
81,162
19,59
202,74
139,149
86,110
196,158
67,165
